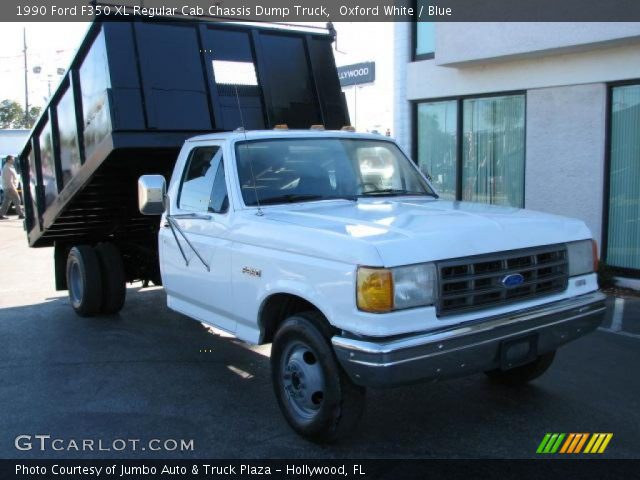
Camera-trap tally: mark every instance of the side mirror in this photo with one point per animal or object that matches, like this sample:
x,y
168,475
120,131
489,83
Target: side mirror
x,y
152,192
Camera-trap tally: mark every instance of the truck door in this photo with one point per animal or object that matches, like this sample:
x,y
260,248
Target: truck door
x,y
194,251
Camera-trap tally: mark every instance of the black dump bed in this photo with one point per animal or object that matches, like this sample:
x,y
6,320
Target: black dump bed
x,y
136,90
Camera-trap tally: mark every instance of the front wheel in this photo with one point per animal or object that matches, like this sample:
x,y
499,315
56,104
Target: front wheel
x,y
315,395
524,373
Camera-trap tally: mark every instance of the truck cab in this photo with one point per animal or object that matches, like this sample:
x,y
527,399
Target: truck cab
x,y
333,246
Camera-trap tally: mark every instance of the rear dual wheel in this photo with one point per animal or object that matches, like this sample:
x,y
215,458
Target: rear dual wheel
x,y
96,279
114,282
84,280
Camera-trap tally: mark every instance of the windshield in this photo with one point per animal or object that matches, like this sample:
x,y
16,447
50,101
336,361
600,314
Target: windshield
x,y
305,169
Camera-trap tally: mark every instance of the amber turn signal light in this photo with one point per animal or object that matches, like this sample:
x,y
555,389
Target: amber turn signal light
x,y
375,290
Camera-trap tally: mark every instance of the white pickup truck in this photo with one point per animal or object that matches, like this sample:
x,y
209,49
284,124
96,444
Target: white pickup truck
x,y
335,248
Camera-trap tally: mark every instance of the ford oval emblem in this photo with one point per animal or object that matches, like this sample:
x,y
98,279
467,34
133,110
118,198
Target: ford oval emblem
x,y
512,280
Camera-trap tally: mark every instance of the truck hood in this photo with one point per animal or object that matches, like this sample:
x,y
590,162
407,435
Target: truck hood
x,y
410,230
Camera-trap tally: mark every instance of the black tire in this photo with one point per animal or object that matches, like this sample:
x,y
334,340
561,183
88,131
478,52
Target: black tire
x,y
114,281
524,373
326,410
84,280
156,278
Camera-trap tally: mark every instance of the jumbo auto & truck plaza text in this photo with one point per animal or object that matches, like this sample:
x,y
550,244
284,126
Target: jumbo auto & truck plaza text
x,y
121,470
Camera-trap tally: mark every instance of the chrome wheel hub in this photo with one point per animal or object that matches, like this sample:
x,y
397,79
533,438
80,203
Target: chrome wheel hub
x,y
302,379
76,288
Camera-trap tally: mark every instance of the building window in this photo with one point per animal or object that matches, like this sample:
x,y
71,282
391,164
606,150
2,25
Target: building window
x,y
425,41
623,234
474,148
437,145
493,150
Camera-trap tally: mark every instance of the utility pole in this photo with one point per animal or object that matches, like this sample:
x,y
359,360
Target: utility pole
x,y
26,80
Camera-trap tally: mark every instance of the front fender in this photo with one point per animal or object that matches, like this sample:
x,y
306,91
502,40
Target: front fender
x,y
297,289
260,273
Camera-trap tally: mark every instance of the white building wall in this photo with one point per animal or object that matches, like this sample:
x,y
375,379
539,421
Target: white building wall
x,y
426,79
457,43
402,115
565,148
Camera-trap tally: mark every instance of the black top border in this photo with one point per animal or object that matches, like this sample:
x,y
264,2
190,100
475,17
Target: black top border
x,y
329,10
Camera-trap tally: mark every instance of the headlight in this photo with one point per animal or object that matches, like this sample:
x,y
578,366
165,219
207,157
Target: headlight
x,y
385,289
583,257
414,286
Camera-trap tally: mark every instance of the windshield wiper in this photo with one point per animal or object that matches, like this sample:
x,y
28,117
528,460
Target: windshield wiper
x,y
305,197
396,191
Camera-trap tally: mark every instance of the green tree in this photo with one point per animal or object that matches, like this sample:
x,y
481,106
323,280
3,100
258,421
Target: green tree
x,y
12,115
34,113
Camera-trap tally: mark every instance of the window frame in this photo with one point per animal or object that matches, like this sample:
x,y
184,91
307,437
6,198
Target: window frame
x,y
416,57
606,190
459,99
226,187
183,175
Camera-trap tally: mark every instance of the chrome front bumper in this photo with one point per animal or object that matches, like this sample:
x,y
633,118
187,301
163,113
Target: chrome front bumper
x,y
465,348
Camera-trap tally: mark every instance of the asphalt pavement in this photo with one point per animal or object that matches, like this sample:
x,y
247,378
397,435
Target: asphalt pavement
x,y
149,373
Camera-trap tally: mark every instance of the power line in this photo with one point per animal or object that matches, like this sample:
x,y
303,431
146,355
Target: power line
x,y
39,51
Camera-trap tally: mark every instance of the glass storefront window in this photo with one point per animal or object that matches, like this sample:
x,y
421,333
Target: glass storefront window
x,y
493,150
437,141
491,145
623,240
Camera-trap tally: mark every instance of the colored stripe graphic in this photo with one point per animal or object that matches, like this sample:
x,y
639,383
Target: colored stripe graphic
x,y
590,444
550,443
543,443
556,446
573,443
567,443
581,443
605,443
598,443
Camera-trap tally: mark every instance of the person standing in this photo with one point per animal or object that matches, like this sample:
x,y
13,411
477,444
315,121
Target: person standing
x,y
10,186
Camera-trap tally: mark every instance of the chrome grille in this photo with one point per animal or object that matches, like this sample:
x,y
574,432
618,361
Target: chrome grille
x,y
472,283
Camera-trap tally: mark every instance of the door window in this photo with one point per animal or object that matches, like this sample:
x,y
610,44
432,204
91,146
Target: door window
x,y
203,187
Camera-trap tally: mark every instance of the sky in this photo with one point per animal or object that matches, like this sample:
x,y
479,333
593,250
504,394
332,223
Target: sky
x,y
49,46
